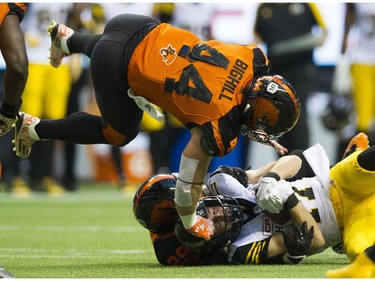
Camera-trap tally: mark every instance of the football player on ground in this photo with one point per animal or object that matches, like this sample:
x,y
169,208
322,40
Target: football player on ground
x,y
216,90
243,233
350,187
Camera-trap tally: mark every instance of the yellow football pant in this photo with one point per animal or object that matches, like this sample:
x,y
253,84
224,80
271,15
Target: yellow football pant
x,y
47,91
364,94
353,198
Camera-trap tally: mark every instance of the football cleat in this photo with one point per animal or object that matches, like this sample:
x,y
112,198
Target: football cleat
x,y
6,124
362,267
359,142
52,187
5,273
22,140
58,33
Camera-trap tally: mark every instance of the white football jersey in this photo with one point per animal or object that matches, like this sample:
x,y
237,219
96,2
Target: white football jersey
x,y
312,194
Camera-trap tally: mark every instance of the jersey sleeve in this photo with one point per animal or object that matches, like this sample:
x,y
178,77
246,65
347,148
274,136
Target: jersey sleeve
x,y
255,253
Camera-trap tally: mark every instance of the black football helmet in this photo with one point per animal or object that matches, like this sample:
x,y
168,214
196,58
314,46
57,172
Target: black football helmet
x,y
271,109
233,219
337,113
153,203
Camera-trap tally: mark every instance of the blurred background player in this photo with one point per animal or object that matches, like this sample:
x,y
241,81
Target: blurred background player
x,y
47,90
355,73
290,33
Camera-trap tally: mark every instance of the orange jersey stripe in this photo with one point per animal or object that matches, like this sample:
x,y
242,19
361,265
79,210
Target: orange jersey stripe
x,y
5,9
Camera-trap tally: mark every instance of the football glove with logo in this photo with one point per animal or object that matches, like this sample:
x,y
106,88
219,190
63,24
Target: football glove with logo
x,y
203,228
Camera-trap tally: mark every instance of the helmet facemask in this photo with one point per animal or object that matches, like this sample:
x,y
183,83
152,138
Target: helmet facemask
x,y
225,212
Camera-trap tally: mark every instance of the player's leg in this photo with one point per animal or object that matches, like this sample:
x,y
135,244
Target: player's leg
x,y
119,123
359,236
64,42
362,267
356,172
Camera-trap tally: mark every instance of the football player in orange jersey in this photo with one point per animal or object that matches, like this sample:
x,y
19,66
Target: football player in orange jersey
x,y
12,46
216,90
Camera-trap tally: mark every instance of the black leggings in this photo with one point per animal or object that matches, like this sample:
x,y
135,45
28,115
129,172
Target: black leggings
x,y
366,159
110,54
109,63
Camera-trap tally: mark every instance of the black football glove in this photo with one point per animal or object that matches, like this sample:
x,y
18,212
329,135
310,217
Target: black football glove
x,y
298,241
238,173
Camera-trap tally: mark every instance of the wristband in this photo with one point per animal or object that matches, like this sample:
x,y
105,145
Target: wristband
x,y
272,175
291,201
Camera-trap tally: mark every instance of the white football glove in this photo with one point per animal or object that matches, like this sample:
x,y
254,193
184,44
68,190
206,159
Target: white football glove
x,y
268,195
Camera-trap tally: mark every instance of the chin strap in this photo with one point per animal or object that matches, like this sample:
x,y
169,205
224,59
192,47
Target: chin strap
x,y
247,107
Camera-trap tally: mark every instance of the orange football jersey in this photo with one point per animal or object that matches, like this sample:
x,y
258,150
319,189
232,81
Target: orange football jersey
x,y
201,83
5,8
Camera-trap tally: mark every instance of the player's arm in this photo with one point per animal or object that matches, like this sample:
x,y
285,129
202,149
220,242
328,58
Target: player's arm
x,y
290,167
193,168
299,214
270,196
272,250
289,247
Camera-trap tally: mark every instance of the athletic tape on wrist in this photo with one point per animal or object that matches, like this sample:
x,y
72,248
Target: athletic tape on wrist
x,y
188,167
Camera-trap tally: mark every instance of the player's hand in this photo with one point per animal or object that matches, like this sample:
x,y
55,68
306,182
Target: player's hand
x,y
298,241
268,195
203,228
278,147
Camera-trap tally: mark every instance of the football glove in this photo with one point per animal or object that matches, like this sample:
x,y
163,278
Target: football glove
x,y
298,241
273,195
203,228
268,195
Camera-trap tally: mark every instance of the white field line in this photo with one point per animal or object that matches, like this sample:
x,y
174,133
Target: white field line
x,y
84,196
64,254
59,228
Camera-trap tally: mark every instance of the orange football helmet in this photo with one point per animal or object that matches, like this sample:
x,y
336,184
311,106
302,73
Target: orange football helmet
x,y
271,108
153,203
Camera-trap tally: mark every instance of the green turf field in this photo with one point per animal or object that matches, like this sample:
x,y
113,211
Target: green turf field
x,y
93,234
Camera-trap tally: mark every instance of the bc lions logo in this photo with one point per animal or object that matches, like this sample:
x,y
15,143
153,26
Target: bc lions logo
x,y
168,54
